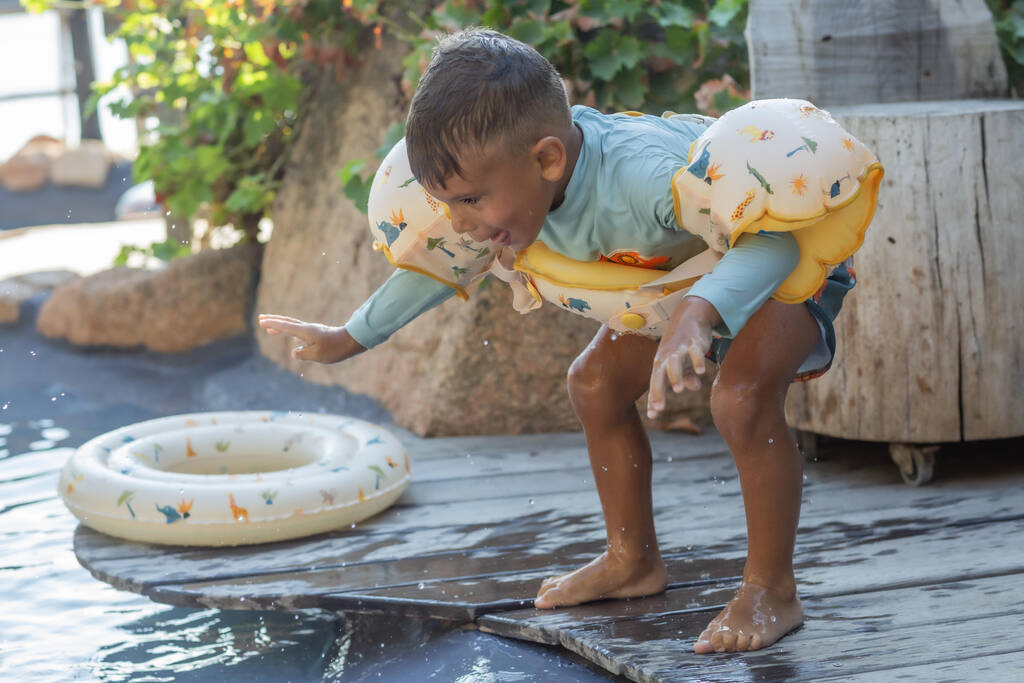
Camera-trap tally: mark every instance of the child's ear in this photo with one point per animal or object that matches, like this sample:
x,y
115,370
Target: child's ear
x,y
550,154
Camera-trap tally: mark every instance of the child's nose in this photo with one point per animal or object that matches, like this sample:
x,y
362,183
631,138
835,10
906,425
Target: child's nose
x,y
461,225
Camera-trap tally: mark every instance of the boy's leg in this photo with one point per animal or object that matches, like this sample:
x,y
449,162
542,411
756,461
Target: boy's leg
x,y
604,384
747,403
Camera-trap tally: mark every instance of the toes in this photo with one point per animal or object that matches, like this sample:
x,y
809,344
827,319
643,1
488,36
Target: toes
x,y
547,599
724,640
742,642
703,645
755,642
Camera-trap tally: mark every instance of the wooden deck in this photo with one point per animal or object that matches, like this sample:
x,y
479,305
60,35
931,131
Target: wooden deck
x,y
898,582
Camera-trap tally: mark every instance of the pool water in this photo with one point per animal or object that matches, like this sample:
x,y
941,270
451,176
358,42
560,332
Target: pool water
x,y
58,623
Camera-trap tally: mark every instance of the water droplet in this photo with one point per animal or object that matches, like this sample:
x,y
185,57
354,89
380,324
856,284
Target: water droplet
x,y
421,585
771,441
773,618
669,459
485,342
531,501
352,525
604,468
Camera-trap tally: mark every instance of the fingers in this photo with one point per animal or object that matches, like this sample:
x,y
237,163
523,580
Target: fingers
x,y
656,394
273,316
682,369
281,324
678,369
697,359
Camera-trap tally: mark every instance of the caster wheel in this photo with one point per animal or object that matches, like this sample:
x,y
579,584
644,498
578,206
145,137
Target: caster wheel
x,y
916,463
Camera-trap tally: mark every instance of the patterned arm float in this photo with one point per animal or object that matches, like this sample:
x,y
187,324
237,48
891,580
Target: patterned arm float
x,y
780,166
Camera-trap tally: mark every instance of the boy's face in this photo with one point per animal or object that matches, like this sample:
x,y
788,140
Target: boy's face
x,y
501,197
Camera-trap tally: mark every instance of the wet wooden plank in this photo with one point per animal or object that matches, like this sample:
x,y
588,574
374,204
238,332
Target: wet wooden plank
x,y
697,486
968,666
846,634
512,448
835,560
545,534
469,533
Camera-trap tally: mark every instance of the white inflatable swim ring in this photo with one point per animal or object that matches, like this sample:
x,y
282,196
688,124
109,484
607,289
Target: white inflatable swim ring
x,y
234,478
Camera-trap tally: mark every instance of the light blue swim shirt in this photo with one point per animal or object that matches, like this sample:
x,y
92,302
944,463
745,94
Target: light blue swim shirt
x,y
619,198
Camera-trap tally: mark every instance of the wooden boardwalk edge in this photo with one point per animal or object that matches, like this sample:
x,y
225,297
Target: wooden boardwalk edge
x,y
476,536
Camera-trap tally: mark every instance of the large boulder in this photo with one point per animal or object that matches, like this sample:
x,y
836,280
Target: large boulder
x,y
194,301
29,168
474,367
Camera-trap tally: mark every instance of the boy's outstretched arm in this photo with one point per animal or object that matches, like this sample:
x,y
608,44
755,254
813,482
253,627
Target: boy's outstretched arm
x,y
318,343
403,297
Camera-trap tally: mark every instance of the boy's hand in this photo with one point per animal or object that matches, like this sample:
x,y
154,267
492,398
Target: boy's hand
x,y
320,343
680,355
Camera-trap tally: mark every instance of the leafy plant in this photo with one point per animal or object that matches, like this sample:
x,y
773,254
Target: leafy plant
x,y
226,83
1009,19
614,54
161,251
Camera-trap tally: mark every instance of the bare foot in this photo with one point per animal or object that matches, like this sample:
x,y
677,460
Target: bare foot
x,y
606,576
756,617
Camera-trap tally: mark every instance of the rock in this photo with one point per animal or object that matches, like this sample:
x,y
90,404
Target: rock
x,y
194,301
474,367
85,166
16,290
29,168
10,305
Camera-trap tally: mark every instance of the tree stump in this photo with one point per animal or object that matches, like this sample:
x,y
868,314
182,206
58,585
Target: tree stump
x,y
932,338
930,341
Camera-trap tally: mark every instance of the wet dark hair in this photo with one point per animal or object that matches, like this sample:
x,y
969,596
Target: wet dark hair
x,y
481,88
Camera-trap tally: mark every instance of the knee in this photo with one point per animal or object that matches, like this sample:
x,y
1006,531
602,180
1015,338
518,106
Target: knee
x,y
596,389
746,413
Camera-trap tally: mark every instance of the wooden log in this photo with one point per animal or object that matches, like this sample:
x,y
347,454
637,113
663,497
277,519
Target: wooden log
x,y
835,52
931,339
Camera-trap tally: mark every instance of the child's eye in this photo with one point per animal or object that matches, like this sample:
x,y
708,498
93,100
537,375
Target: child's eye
x,y
470,200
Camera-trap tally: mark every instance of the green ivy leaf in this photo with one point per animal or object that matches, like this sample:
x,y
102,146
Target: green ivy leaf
x,y
257,125
725,11
529,31
612,51
629,87
394,133
670,14
351,170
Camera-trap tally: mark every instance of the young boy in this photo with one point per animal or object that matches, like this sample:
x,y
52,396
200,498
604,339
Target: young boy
x,y
491,134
